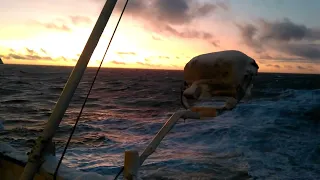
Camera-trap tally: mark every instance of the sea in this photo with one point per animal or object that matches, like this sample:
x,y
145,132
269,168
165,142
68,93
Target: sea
x,y
274,135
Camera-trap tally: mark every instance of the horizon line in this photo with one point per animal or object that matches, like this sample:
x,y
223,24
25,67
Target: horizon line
x,y
159,69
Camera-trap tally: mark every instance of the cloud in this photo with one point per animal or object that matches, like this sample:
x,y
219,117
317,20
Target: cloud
x,y
308,51
29,55
223,5
301,67
286,30
141,63
151,65
171,12
62,27
43,51
187,33
248,33
80,19
156,38
147,62
164,16
164,57
53,25
175,12
305,68
63,24
273,65
215,43
14,56
283,36
122,54
288,66
118,62
30,51
127,53
64,59
280,31
266,56
26,57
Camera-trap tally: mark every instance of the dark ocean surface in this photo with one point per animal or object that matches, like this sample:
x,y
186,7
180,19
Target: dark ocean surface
x,y
276,135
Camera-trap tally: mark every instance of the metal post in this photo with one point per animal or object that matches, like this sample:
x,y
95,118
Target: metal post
x,y
131,165
164,131
36,156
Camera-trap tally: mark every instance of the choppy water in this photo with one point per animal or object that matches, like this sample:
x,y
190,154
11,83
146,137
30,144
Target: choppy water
x,y
274,136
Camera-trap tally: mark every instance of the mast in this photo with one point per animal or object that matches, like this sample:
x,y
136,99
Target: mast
x,y
36,155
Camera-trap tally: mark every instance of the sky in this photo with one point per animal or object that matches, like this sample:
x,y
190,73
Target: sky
x,y
281,35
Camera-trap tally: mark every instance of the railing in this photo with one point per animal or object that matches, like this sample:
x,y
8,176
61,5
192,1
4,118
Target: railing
x,y
132,160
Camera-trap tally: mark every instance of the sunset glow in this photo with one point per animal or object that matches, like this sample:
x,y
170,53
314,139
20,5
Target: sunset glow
x,y
163,34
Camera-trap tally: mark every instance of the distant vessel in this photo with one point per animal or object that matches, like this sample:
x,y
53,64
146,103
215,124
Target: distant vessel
x,y
1,62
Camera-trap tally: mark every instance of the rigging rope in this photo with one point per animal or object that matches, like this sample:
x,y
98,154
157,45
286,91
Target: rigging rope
x,y
84,103
118,174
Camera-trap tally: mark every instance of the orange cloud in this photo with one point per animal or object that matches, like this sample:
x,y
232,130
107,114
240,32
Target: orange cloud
x,y
80,19
35,56
118,62
53,26
30,55
127,53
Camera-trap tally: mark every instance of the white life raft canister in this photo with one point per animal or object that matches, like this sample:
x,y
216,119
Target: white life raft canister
x,y
217,81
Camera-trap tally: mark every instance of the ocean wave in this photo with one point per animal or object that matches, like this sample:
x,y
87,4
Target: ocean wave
x,y
14,101
56,89
9,91
273,136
